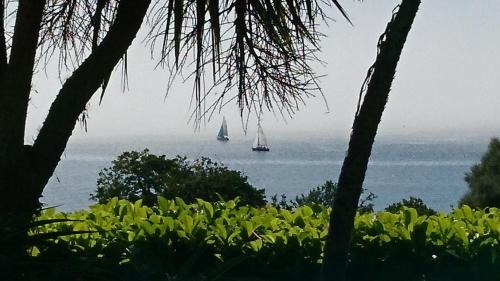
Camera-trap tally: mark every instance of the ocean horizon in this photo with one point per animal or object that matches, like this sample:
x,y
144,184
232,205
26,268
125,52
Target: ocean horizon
x,y
400,167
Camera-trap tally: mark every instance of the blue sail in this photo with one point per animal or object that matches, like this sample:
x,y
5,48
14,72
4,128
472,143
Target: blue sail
x,y
221,132
223,135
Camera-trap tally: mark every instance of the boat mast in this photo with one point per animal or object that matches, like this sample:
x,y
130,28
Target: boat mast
x,y
258,133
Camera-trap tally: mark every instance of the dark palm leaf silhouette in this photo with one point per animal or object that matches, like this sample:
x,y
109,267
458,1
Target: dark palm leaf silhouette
x,y
256,52
259,49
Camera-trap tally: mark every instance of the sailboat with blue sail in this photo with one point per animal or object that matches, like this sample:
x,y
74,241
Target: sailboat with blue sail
x,y
223,134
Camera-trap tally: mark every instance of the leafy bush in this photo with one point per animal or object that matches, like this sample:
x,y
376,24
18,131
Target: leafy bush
x,y
143,175
144,243
413,202
323,195
158,241
15,244
484,180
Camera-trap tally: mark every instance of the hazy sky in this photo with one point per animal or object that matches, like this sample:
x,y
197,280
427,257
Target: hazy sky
x,y
445,81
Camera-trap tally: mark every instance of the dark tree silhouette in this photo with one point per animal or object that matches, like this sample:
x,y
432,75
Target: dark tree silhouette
x,y
42,27
142,175
376,88
484,180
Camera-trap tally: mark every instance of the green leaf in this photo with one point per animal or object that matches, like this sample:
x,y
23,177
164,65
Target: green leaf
x,y
410,216
182,234
235,235
148,228
155,219
256,245
248,226
34,251
221,231
230,204
169,222
286,215
468,213
181,204
209,209
138,204
306,211
164,204
131,236
187,223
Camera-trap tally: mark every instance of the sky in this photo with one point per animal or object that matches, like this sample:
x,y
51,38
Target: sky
x,y
445,83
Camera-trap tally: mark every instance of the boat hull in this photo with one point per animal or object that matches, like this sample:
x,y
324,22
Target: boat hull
x,y
260,148
223,138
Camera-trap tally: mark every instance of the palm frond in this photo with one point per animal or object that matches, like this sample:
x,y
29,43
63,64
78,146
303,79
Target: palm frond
x,y
258,52
71,29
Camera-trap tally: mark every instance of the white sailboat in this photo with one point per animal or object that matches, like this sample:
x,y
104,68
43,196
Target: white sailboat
x,y
223,134
260,142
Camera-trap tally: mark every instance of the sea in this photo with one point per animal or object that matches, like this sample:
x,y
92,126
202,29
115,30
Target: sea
x,y
430,169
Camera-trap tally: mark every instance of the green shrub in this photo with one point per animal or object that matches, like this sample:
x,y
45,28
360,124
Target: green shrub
x,y
143,175
137,242
16,260
323,195
413,202
484,180
157,241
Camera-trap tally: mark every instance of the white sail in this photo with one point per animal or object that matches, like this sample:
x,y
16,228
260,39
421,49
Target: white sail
x,y
256,141
260,142
224,127
262,137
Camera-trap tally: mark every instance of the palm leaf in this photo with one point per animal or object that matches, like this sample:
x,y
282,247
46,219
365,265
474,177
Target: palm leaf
x,y
341,9
170,9
56,234
213,9
260,49
178,18
200,20
38,223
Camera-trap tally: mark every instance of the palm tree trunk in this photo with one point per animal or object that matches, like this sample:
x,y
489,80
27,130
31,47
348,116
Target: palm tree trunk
x,y
82,85
24,169
17,205
377,86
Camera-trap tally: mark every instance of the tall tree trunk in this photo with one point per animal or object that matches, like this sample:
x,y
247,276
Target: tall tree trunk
x,y
377,86
81,86
16,204
14,96
3,45
25,170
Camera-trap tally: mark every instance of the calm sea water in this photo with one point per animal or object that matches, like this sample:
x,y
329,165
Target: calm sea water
x,y
431,170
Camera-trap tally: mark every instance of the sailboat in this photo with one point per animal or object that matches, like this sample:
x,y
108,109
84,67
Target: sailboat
x,y
260,142
223,135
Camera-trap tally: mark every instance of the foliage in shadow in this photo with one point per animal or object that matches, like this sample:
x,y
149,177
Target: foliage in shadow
x,y
321,196
413,202
143,175
221,241
484,179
